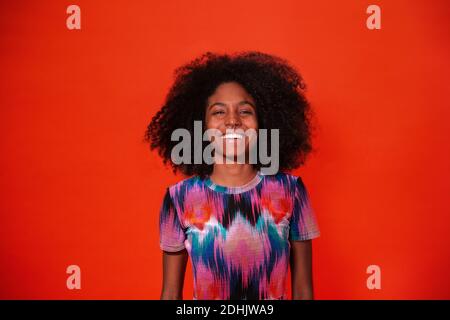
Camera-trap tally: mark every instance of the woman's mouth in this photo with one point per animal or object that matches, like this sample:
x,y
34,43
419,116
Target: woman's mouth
x,y
233,136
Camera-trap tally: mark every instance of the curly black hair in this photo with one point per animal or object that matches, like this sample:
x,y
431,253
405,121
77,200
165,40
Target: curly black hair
x,y
275,85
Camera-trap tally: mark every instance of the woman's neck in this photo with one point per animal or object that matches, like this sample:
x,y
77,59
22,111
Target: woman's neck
x,y
232,175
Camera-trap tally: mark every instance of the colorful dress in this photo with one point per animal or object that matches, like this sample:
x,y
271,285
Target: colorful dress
x,y
237,237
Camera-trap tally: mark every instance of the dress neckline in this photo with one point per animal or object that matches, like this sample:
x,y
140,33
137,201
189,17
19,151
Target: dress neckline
x,y
235,190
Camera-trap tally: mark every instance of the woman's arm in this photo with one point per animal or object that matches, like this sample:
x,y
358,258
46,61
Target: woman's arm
x,y
301,270
174,268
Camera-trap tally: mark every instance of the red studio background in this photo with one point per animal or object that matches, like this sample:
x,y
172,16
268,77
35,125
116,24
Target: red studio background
x,y
80,187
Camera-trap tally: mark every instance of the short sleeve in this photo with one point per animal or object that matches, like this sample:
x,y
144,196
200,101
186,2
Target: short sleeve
x,y
171,233
303,224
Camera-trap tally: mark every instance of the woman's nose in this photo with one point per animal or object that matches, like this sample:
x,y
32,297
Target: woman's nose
x,y
232,120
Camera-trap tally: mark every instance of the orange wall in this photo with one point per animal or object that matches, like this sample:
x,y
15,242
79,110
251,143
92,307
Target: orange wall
x,y
78,185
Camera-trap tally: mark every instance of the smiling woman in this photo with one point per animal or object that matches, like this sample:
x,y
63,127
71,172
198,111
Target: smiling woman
x,y
242,228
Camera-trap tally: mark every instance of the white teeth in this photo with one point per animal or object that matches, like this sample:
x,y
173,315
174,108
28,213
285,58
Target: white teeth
x,y
232,136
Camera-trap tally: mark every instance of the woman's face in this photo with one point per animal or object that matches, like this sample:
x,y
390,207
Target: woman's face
x,y
231,108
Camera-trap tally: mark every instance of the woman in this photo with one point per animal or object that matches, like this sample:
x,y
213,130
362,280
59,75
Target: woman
x,y
241,228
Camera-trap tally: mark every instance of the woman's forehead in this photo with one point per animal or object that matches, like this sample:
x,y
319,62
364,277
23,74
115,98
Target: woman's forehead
x,y
230,93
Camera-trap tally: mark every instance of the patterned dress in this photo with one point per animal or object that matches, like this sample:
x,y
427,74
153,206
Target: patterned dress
x,y
237,237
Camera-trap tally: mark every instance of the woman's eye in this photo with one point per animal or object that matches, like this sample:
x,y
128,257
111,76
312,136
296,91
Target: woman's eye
x,y
246,112
218,112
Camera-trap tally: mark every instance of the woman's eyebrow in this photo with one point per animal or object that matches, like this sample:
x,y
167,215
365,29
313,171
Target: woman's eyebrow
x,y
240,103
246,102
217,104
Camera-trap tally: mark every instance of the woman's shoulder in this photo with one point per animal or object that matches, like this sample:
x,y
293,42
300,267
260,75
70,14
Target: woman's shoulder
x,y
284,178
185,184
